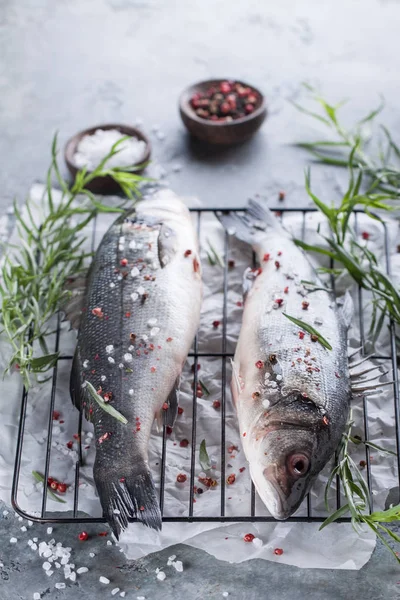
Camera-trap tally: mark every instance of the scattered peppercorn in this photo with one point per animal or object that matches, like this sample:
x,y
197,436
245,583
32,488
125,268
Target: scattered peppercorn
x,y
188,253
305,304
278,551
249,537
266,257
56,415
231,264
281,195
259,364
181,478
314,338
54,485
180,410
365,235
216,404
301,335
168,430
277,264
61,488
216,324
362,464
184,443
83,536
231,479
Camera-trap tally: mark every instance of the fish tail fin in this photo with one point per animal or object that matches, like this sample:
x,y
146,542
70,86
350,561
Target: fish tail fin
x,y
250,227
124,499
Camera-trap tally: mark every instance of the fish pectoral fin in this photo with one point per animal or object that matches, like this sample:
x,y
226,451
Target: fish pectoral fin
x,y
74,300
167,416
166,245
78,393
346,308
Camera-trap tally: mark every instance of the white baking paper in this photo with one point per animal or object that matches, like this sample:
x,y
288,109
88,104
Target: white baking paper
x,y
337,546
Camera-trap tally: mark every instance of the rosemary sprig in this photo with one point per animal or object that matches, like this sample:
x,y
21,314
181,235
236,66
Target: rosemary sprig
x,y
351,145
310,329
204,459
213,256
33,273
358,502
113,412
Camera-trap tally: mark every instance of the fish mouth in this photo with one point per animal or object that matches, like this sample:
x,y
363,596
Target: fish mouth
x,y
279,503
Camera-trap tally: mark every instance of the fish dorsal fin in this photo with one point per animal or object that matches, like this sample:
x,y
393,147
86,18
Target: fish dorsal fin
x,y
346,307
75,299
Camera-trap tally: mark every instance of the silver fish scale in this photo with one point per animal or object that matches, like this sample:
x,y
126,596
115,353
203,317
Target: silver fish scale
x,y
302,365
121,317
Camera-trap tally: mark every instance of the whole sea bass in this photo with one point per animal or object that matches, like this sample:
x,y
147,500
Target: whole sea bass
x,y
291,393
140,315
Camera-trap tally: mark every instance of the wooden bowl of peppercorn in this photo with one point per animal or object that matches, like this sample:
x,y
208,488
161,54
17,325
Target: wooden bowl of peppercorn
x,y
222,111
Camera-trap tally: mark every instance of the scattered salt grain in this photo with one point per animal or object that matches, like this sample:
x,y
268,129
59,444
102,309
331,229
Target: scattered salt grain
x,y
112,285
92,554
60,586
171,559
121,365
154,331
46,566
20,519
104,580
36,596
57,565
140,598
178,566
257,542
130,392
82,570
49,573
122,594
161,575
151,322
225,594
128,357
85,364
35,539
109,349
5,513
49,530
116,511
72,577
134,296
135,272
109,543
114,591
92,149
111,360
23,528
132,245
103,378
141,290
13,540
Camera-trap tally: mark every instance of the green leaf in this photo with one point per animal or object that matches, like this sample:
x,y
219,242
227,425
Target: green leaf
x,y
371,115
310,329
205,462
39,477
213,256
106,406
310,248
204,387
335,516
44,362
386,516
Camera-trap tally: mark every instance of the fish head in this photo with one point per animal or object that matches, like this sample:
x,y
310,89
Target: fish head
x,y
286,449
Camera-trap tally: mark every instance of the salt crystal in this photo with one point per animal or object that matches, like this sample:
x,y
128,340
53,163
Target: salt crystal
x,y
46,566
151,322
82,570
135,272
112,285
140,598
49,530
92,149
85,364
34,546
114,591
5,513
60,586
132,244
111,360
258,543
35,539
122,594
141,290
104,580
134,296
121,365
72,577
161,575
116,511
154,331
23,528
178,566
36,596
121,240
225,594
172,558
49,573
103,378
13,540
92,554
130,392
57,565
128,357
160,136
109,349
109,543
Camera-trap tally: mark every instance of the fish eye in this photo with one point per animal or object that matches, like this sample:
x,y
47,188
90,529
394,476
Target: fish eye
x,y
298,464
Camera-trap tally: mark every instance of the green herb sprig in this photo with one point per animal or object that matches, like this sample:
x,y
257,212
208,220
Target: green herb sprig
x,y
204,459
310,329
40,478
358,501
34,272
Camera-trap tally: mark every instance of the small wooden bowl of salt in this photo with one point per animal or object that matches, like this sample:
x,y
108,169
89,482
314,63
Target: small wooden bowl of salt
x,y
89,147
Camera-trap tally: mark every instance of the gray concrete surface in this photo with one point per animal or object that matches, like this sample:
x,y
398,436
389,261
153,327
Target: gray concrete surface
x,y
68,65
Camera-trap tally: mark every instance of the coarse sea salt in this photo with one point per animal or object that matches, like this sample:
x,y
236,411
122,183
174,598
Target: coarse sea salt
x,y
103,579
13,540
60,586
36,596
161,576
114,591
92,149
82,570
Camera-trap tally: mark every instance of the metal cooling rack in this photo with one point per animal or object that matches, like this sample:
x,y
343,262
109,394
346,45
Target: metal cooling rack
x,y
72,516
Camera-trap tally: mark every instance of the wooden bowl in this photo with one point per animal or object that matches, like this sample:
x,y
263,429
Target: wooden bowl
x,y
104,185
217,132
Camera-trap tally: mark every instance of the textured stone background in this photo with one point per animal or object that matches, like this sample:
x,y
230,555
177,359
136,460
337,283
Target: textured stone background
x,y
69,65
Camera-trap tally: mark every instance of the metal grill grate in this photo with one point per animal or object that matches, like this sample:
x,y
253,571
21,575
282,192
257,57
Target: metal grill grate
x,y
72,516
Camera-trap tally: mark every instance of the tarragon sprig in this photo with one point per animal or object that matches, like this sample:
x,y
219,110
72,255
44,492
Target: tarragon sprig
x,y
34,271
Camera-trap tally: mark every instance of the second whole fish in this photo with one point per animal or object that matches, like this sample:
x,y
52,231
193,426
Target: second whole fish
x,y
291,393
140,315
